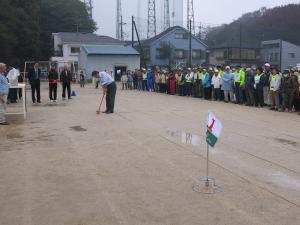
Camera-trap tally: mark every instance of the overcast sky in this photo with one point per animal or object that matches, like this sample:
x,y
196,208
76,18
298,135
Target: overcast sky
x,y
212,12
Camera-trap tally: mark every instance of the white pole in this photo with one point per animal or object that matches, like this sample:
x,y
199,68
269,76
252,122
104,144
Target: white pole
x,y
207,167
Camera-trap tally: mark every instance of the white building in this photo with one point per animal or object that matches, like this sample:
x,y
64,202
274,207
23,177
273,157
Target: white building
x,y
67,45
280,53
114,58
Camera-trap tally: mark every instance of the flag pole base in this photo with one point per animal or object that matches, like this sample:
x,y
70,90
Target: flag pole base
x,y
205,186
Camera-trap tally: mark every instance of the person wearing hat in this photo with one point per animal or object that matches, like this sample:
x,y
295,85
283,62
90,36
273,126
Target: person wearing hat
x,y
180,83
239,81
196,83
249,86
144,79
216,85
259,82
149,80
288,91
227,84
207,83
268,73
188,82
52,79
275,82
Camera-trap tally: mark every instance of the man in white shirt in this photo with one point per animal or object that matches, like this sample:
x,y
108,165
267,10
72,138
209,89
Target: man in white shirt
x,y
110,88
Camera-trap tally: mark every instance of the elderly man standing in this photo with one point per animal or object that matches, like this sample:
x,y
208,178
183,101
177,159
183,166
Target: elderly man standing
x,y
110,88
34,77
4,87
66,79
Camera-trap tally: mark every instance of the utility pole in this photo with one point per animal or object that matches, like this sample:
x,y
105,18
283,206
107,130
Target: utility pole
x,y
151,30
132,31
190,16
190,44
166,14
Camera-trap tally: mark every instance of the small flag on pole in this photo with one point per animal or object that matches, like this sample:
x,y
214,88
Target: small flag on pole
x,y
214,128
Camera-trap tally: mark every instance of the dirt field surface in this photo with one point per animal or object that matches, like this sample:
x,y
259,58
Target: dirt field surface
x,y
65,165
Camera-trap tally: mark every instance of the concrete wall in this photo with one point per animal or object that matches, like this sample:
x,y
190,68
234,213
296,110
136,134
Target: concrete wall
x,y
89,63
177,44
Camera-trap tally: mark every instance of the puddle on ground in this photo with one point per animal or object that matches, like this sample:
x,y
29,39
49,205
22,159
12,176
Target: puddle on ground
x,y
78,128
285,180
13,136
185,137
289,142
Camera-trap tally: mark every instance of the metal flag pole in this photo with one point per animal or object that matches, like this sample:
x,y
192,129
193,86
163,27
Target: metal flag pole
x,y
207,167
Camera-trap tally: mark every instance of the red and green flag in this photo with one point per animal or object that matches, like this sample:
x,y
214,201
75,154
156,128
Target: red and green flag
x,y
214,128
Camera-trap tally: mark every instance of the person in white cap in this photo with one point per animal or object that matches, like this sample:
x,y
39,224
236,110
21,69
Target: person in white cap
x,y
216,85
266,89
227,84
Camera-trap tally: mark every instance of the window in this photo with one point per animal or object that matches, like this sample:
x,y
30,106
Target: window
x,y
196,54
276,45
159,53
292,55
219,54
276,57
180,36
75,50
248,54
147,53
179,54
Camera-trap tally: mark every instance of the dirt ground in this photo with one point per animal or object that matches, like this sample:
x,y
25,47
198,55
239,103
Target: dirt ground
x,y
65,165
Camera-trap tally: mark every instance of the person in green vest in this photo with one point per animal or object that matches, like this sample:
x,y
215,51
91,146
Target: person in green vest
x,y
144,79
196,83
239,82
259,81
188,82
275,82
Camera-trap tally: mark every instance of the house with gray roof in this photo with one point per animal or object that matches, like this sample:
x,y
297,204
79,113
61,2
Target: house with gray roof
x,y
67,45
171,47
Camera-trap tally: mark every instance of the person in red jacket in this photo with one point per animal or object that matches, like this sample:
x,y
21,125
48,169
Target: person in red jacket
x,y
52,79
66,79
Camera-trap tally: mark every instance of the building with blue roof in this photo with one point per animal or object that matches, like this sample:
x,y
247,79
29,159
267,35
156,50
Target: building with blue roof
x,y
117,59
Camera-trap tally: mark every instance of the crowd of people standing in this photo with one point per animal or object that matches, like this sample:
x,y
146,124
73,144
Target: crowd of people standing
x,y
258,87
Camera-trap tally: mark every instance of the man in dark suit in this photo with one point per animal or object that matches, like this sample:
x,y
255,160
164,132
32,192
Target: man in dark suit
x,y
66,79
34,76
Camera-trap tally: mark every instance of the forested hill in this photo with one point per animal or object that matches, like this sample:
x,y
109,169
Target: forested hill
x,y
265,24
26,27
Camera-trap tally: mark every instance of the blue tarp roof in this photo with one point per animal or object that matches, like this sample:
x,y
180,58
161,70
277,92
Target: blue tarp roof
x,y
109,50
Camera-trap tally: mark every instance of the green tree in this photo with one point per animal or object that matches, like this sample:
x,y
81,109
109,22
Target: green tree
x,y
7,35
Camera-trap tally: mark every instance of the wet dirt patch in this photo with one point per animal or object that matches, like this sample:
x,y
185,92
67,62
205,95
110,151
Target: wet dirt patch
x,y
55,105
14,136
184,137
288,142
78,129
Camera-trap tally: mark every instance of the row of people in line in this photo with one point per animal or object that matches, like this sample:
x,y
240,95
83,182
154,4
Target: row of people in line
x,y
65,77
258,87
